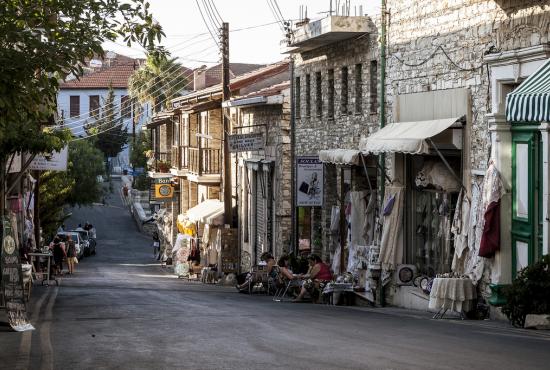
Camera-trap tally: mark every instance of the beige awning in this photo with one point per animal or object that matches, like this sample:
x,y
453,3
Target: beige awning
x,y
203,212
405,137
340,156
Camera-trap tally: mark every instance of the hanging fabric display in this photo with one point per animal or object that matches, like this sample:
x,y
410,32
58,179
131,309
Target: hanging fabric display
x,y
492,194
391,251
460,230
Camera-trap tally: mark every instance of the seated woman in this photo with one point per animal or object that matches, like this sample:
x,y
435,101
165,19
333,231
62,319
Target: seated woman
x,y
255,277
319,273
284,270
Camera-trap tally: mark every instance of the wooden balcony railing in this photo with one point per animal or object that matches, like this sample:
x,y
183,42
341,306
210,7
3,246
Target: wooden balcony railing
x,y
175,159
204,161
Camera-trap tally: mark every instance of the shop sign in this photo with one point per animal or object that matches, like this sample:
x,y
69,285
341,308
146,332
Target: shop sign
x,y
246,142
309,182
164,190
12,281
56,161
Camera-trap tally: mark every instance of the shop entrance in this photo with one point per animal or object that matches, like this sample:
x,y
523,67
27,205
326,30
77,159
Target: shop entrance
x,y
527,220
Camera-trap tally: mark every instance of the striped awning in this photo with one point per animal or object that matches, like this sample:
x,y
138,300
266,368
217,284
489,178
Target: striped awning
x,y
530,102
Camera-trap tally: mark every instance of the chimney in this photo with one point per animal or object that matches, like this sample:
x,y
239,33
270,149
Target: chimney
x,y
199,78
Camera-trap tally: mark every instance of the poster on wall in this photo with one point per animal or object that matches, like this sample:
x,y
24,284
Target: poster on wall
x,y
12,281
56,161
309,181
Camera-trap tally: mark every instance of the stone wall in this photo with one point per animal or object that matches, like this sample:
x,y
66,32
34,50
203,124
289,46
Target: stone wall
x,y
344,127
435,45
276,119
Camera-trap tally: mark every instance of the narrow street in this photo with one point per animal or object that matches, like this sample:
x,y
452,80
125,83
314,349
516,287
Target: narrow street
x,y
122,310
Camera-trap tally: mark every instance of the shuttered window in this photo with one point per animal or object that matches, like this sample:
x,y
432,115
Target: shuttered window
x,y
74,106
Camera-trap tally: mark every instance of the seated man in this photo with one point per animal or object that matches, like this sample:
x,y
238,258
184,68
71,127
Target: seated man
x,y
318,274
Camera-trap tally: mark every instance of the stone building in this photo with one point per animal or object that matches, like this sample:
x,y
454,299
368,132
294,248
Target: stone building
x,y
263,180
335,102
456,61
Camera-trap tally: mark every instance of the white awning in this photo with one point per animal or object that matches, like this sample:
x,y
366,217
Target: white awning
x,y
405,137
202,211
340,156
216,218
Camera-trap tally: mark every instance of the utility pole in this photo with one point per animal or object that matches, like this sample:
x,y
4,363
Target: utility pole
x,y
227,196
382,158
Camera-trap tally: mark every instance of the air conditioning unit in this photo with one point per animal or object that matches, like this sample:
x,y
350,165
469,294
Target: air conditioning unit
x,y
405,274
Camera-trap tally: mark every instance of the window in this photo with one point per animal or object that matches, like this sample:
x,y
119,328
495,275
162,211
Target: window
x,y
125,106
318,94
358,88
373,75
330,93
308,95
344,91
297,102
74,110
94,106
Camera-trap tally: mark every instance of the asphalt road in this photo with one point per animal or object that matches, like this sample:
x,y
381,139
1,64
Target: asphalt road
x,y
121,310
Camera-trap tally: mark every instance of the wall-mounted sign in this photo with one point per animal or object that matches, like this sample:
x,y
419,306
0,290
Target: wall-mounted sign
x,y
12,281
309,181
246,142
164,190
56,161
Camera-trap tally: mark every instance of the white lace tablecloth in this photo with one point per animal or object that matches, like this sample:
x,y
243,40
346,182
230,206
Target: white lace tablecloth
x,y
453,294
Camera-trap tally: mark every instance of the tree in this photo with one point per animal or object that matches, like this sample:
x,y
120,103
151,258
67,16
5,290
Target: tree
x,y
138,158
41,42
76,186
109,133
157,81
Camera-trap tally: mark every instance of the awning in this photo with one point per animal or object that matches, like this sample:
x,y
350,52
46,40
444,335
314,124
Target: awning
x,y
340,156
405,137
202,211
530,102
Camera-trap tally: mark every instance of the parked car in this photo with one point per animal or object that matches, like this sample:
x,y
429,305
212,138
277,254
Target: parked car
x,y
80,244
89,241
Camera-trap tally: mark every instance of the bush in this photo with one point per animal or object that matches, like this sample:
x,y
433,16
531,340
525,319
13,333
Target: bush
x,y
529,293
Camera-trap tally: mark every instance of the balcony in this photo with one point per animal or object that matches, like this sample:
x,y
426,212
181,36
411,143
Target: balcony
x,y
159,164
204,165
328,30
180,160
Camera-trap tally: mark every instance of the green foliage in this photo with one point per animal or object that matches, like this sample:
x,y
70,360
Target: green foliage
x,y
109,133
157,81
42,41
76,186
138,159
529,293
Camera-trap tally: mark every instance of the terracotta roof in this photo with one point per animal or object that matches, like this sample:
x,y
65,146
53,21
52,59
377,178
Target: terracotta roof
x,y
117,76
268,91
214,74
236,83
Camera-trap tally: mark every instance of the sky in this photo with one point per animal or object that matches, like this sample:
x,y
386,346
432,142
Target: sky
x,y
187,36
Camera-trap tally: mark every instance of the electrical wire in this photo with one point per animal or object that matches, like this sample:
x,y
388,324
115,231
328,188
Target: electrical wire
x,y
210,13
174,69
115,113
431,56
281,25
206,24
216,11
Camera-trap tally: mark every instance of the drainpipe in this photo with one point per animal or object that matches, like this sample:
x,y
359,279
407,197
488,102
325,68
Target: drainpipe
x,y
382,157
294,239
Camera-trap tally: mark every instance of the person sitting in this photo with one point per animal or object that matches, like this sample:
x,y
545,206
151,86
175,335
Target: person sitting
x,y
283,268
318,275
254,278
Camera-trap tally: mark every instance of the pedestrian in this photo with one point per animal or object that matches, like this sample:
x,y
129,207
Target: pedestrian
x,y
58,250
71,254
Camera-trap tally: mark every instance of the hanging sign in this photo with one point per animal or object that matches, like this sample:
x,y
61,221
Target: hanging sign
x,y
164,190
12,281
56,161
309,181
246,142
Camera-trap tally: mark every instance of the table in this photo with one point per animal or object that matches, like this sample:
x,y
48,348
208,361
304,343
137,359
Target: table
x,y
45,276
455,294
334,290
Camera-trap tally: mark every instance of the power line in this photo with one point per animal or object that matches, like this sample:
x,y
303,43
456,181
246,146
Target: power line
x,y
206,24
176,73
216,10
175,67
210,13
